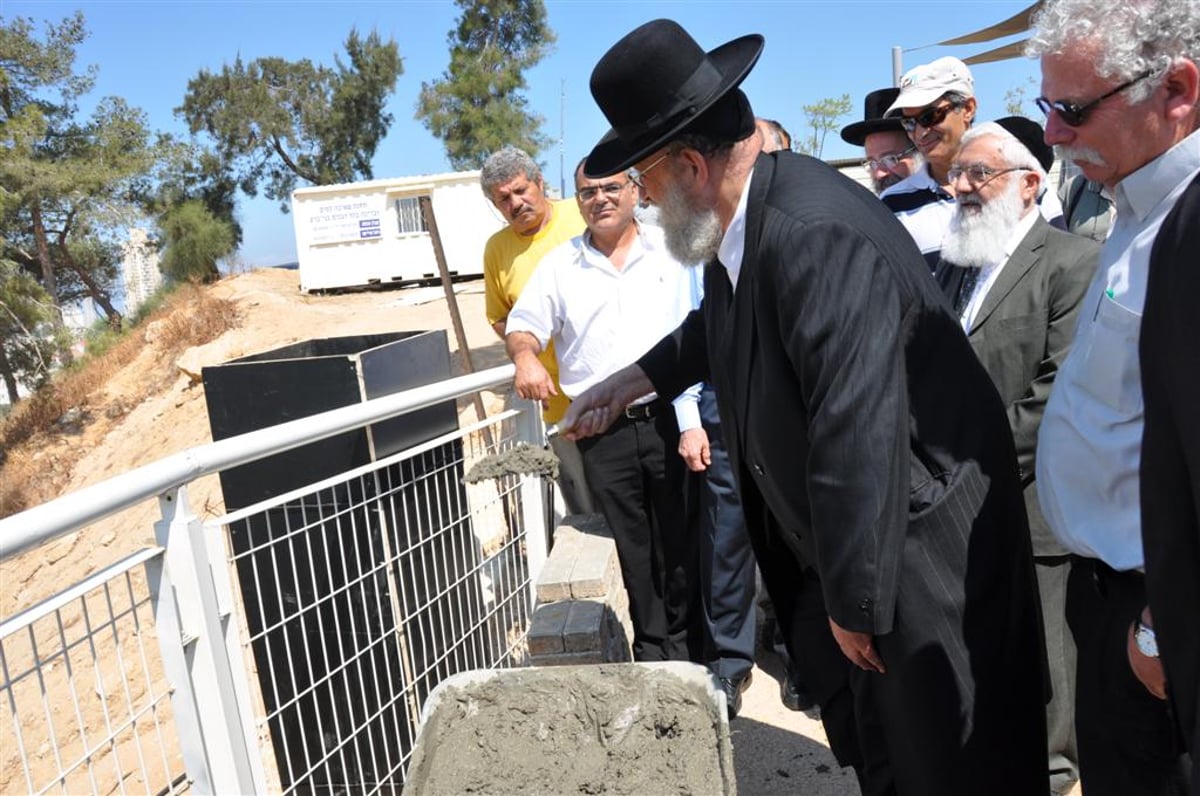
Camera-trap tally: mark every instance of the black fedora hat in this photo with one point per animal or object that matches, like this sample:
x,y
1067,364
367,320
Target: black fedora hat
x,y
874,107
655,82
1031,134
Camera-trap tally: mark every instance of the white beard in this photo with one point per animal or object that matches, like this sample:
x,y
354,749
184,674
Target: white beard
x,y
692,234
979,239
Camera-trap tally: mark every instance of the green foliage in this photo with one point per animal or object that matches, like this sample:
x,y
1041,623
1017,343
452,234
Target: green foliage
x,y
275,121
189,171
152,303
69,184
29,68
98,341
477,106
1014,98
823,117
28,344
195,241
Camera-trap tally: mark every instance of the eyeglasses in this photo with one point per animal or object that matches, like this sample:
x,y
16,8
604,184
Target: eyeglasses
x,y
610,189
887,162
636,175
929,117
1074,115
979,175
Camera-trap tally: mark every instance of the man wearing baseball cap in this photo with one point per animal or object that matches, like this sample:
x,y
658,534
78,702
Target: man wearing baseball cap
x,y
872,453
936,105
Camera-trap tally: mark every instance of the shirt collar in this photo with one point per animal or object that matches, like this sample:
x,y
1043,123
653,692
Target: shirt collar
x,y
1142,191
733,243
591,256
919,180
1020,230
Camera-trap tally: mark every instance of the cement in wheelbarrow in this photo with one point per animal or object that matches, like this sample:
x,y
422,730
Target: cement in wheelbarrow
x,y
621,728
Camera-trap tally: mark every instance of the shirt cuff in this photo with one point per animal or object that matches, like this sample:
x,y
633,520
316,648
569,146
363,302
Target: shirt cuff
x,y
687,408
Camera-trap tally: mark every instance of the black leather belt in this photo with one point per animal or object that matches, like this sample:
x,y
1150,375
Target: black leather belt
x,y
1105,577
645,411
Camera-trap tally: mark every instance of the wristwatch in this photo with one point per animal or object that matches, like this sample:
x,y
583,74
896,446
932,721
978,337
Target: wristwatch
x,y
1144,637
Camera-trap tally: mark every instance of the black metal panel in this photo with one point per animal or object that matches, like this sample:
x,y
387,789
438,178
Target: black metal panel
x,y
328,658
401,365
315,376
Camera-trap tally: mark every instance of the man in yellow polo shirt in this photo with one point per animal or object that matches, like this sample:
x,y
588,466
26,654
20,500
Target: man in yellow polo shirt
x,y
513,182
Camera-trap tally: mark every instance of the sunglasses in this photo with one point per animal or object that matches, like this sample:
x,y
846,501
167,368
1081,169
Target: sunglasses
x,y
887,162
929,117
1074,115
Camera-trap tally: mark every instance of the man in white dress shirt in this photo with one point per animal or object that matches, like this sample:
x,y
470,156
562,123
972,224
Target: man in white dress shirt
x,y
1119,85
605,297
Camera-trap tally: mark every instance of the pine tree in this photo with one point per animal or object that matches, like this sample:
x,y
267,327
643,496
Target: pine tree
x,y
275,122
477,106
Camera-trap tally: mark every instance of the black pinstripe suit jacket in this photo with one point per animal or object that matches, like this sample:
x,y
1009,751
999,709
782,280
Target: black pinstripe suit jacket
x,y
863,428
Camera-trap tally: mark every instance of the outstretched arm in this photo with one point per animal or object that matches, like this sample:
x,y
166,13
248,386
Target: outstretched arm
x,y
599,406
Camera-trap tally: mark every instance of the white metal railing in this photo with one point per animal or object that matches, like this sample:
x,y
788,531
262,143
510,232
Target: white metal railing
x,y
297,639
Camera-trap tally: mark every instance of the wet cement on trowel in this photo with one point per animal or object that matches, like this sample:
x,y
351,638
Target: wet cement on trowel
x,y
520,459
607,729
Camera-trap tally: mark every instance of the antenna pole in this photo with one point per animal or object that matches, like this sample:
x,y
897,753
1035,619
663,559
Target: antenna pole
x,y
562,139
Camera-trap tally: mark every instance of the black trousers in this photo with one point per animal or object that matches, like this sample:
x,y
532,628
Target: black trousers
x,y
637,480
727,581
1126,738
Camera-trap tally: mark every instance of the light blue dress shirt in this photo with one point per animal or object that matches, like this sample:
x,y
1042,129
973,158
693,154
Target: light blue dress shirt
x,y
1089,445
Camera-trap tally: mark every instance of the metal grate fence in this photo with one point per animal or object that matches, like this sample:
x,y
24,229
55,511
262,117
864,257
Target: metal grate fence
x,y
362,593
286,647
88,653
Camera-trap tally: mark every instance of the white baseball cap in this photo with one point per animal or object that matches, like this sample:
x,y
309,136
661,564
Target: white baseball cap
x,y
923,85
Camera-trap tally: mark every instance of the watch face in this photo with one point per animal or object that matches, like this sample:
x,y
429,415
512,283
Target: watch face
x,y
1146,642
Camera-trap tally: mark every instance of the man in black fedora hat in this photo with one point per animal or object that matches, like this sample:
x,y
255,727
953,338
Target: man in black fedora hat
x,y
890,156
872,452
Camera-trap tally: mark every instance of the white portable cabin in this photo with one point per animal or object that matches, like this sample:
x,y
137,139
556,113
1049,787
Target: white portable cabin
x,y
372,233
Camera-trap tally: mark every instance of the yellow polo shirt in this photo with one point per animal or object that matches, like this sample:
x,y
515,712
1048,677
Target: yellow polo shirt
x,y
508,261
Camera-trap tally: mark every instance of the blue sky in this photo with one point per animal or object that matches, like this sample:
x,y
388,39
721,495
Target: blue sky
x,y
147,50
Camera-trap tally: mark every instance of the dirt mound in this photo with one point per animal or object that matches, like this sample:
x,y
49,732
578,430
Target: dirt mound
x,y
130,422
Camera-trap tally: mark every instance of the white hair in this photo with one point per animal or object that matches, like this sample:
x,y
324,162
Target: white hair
x,y
506,164
1016,155
1131,36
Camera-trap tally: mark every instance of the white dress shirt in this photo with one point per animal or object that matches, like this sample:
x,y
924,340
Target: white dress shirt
x,y
1089,446
989,273
602,318
733,242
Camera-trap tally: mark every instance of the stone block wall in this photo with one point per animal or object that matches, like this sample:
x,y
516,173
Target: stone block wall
x,y
582,614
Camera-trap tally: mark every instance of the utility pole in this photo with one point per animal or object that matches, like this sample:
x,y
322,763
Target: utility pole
x,y
562,138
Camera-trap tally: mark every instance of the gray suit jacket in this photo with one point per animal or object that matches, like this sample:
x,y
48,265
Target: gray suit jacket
x,y
1021,335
